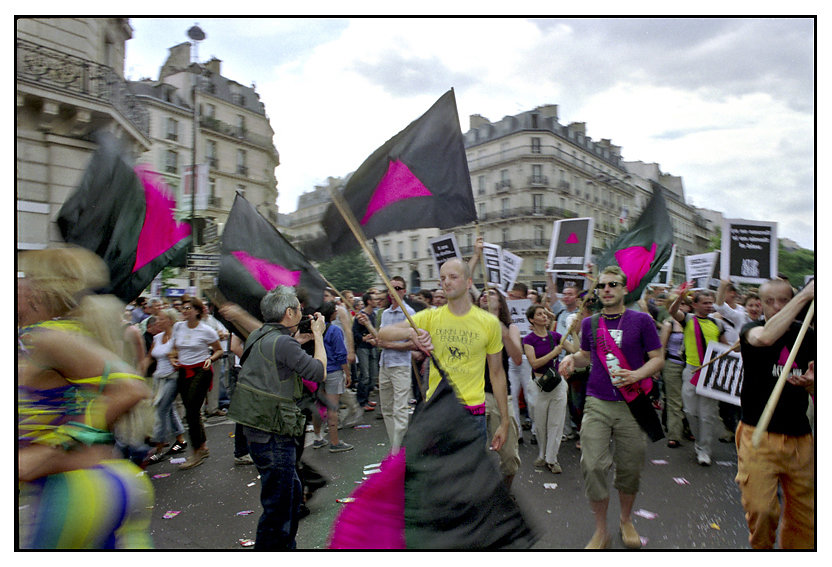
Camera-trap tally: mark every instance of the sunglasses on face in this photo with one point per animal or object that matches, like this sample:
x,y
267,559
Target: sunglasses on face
x,y
397,288
187,308
611,285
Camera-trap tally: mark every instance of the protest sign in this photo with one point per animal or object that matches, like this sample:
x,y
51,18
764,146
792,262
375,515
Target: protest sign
x,y
571,245
722,379
493,263
511,268
443,248
665,275
749,251
701,270
517,311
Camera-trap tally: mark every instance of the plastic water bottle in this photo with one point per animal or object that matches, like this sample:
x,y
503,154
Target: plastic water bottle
x,y
612,364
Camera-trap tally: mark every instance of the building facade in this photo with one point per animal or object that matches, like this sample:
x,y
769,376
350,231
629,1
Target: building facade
x,y
528,171
69,84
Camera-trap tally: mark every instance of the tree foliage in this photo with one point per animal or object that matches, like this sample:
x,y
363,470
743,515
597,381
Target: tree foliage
x,y
349,271
796,264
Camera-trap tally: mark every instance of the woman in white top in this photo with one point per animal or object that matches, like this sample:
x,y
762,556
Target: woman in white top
x,y
168,423
197,347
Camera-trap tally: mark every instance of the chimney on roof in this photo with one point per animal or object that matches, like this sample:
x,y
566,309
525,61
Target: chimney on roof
x,y
477,120
214,65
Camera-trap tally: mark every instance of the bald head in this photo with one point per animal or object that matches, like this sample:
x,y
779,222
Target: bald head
x,y
774,295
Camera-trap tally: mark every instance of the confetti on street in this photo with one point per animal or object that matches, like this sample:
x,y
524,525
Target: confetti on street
x,y
362,427
245,512
658,461
178,461
645,514
550,485
643,540
251,484
680,481
162,475
715,526
171,514
246,542
345,500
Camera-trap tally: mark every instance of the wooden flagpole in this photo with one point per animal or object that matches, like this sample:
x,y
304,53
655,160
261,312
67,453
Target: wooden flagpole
x,y
765,418
726,353
352,223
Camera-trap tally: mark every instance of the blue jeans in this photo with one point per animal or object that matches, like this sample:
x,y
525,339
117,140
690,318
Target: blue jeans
x,y
367,373
167,424
280,494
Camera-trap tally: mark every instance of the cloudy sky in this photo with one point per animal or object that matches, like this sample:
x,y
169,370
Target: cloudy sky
x,y
727,104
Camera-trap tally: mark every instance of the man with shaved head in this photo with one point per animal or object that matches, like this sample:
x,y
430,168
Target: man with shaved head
x,y
784,462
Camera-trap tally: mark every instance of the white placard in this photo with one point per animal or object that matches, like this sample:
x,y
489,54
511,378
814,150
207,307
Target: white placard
x,y
517,310
721,380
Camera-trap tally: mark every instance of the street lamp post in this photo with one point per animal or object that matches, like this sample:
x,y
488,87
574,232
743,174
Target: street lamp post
x,y
196,35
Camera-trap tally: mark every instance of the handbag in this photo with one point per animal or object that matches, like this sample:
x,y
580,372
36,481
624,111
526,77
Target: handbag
x,y
550,379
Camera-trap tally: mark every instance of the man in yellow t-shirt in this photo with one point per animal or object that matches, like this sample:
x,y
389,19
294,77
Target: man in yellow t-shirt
x,y
463,338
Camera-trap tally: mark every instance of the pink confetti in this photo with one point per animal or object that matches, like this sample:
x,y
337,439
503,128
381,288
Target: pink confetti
x,y
362,427
246,542
245,512
644,541
163,475
177,461
171,514
645,514
658,462
345,500
680,481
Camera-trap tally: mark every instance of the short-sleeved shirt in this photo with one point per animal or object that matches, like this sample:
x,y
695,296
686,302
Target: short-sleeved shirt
x,y
160,352
635,334
543,346
734,320
336,348
461,344
390,357
761,370
193,345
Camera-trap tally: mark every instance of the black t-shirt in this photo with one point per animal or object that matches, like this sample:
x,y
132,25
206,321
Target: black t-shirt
x,y
488,376
761,369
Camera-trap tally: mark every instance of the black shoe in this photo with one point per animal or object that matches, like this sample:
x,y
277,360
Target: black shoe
x,y
534,440
177,448
303,511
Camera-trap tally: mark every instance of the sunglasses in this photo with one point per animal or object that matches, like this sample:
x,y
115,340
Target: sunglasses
x,y
187,308
397,288
612,285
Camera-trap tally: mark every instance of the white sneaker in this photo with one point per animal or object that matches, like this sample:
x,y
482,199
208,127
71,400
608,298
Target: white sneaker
x,y
244,460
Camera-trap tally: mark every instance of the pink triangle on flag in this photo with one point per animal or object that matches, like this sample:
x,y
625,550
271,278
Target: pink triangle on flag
x,y
160,230
784,358
573,239
398,184
635,261
267,274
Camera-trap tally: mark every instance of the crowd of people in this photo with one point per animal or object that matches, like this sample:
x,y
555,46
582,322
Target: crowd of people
x,y
574,371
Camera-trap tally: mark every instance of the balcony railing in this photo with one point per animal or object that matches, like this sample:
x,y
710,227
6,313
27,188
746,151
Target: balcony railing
x,y
519,212
235,132
68,73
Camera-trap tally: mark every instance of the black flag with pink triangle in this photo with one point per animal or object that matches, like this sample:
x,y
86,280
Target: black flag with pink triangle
x,y
644,249
255,258
417,179
124,214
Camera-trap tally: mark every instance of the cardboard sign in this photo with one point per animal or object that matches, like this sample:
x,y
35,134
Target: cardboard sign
x,y
517,311
721,380
571,245
492,258
443,248
701,270
749,251
511,268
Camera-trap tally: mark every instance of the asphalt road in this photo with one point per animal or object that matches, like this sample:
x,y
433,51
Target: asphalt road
x,y
681,505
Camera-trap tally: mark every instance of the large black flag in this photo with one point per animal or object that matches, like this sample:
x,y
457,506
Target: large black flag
x,y
125,215
644,249
255,258
417,179
442,490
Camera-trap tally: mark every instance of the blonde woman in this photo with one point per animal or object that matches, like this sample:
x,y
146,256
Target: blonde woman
x,y
73,386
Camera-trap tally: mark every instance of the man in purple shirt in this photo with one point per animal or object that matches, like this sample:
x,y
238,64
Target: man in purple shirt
x,y
606,413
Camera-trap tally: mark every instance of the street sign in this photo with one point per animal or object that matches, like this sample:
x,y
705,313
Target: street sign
x,y
204,263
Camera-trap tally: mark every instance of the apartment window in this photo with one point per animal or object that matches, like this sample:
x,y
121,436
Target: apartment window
x,y
211,110
241,125
537,173
469,240
481,211
481,185
535,145
172,132
504,206
505,234
539,265
400,250
211,154
538,235
414,248
213,200
242,168
537,203
171,161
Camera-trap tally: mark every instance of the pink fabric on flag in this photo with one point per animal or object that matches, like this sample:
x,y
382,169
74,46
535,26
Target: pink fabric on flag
x,y
573,239
160,230
267,274
375,520
635,261
397,184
